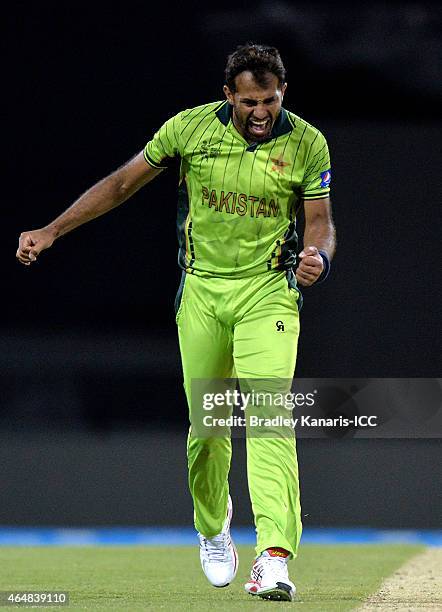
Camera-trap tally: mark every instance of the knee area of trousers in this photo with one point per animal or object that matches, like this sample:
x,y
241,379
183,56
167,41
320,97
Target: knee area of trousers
x,y
208,445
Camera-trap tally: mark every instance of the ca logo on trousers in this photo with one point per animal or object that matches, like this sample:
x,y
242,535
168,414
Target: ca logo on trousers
x,y
279,326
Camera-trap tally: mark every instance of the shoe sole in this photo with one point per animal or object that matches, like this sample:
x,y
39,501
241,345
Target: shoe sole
x,y
283,592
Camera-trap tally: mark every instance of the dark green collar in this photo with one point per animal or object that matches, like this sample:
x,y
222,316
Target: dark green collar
x,y
281,126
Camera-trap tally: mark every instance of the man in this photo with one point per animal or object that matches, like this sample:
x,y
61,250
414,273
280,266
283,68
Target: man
x,y
246,166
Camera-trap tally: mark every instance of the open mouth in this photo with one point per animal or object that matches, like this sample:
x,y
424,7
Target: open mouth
x,y
259,128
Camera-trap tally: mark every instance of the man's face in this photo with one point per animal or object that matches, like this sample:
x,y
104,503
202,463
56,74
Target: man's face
x,y
255,109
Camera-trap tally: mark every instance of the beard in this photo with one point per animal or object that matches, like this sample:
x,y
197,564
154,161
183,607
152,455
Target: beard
x,y
258,130
251,132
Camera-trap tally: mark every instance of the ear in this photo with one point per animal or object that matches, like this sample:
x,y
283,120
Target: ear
x,y
228,94
283,88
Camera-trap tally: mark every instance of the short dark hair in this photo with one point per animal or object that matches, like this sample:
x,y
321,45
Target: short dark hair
x,y
259,60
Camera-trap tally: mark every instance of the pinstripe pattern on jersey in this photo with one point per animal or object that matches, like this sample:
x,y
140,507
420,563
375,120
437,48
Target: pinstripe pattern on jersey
x,y
238,201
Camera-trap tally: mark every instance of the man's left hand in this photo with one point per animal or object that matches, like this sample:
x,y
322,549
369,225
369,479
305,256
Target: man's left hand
x,y
310,267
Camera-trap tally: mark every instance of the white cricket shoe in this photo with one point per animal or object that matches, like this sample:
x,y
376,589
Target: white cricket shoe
x,y
269,578
218,555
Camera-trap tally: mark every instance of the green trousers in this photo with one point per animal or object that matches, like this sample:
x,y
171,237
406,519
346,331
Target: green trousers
x,y
245,328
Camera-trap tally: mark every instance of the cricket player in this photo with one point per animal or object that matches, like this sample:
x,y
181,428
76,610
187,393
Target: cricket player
x,y
247,165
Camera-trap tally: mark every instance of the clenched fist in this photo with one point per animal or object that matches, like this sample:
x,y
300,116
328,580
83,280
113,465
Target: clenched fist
x,y
31,244
310,267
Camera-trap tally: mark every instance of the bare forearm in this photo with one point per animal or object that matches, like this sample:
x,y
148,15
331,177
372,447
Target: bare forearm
x,y
319,240
99,199
321,234
96,201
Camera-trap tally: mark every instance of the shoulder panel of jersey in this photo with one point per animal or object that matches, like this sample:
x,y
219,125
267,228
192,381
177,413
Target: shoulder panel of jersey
x,y
313,150
179,133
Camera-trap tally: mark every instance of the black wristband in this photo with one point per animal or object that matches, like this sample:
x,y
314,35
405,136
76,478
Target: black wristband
x,y
327,265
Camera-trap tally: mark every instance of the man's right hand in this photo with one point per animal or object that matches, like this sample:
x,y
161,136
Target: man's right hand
x,y
31,244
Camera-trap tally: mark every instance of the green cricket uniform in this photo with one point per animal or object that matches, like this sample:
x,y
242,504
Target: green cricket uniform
x,y
237,202
237,246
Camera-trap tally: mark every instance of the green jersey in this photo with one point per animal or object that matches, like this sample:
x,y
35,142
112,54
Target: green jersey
x,y
237,201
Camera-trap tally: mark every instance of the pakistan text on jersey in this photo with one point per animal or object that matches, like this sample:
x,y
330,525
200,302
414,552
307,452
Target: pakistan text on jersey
x,y
240,203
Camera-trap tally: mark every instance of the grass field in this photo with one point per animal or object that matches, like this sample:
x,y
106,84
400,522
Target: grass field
x,y
328,578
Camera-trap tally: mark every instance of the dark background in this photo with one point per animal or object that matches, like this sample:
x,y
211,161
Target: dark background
x,y
89,353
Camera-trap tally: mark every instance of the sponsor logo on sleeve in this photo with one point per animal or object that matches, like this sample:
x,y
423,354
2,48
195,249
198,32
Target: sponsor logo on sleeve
x,y
326,178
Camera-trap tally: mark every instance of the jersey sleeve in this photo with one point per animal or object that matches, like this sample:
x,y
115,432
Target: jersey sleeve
x,y
317,177
165,145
